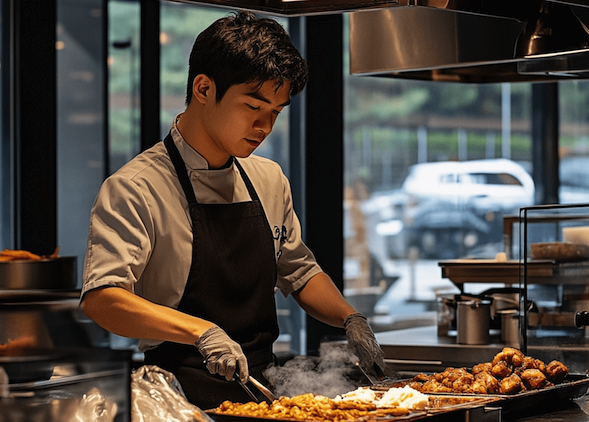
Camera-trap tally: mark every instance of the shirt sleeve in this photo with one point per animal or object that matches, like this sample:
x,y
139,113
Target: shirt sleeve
x,y
120,233
296,262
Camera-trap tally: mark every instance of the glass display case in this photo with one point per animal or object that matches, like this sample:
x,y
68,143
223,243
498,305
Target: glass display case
x,y
556,239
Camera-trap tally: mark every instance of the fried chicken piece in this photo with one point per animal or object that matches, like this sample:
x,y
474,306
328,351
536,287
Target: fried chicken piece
x,y
513,357
416,385
489,381
530,363
482,367
451,374
477,387
556,371
511,385
457,379
434,386
533,379
501,369
462,384
421,377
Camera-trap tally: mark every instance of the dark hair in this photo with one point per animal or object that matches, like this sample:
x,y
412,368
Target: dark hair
x,y
240,49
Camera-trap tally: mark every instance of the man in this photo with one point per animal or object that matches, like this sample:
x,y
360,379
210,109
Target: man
x,y
188,241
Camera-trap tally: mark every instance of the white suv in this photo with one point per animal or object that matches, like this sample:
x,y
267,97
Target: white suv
x,y
453,207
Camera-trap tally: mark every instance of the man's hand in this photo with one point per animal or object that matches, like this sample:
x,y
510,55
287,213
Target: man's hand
x,y
362,342
222,355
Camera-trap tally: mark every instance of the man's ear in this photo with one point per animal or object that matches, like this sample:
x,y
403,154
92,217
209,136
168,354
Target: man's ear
x,y
201,88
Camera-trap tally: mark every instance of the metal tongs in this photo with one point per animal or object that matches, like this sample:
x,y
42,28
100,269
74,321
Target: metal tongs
x,y
261,387
377,376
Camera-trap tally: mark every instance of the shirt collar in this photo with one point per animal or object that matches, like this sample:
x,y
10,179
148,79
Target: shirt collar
x,y
191,157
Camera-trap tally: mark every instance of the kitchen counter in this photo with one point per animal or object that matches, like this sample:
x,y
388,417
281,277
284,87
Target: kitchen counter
x,y
421,350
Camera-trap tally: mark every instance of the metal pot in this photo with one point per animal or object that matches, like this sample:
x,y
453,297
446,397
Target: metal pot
x,y
53,273
503,298
473,321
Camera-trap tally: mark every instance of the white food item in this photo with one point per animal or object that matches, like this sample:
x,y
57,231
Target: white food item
x,y
403,397
406,397
360,394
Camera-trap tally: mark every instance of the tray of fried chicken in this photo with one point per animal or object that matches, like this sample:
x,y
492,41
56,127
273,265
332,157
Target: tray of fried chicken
x,y
516,379
364,403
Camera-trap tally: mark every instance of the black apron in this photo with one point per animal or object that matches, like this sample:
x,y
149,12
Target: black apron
x,y
231,283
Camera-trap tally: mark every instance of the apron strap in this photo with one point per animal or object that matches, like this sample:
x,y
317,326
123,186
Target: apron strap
x,y
180,169
247,181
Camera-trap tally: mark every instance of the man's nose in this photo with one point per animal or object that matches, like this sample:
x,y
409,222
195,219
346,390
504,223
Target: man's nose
x,y
265,123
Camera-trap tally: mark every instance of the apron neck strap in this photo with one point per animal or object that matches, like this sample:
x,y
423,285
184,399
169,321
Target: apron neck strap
x,y
180,167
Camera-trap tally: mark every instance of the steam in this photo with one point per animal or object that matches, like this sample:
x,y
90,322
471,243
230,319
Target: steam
x,y
324,375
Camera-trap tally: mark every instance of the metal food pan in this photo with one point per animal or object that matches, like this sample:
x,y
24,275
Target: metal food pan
x,y
464,405
574,386
50,273
223,417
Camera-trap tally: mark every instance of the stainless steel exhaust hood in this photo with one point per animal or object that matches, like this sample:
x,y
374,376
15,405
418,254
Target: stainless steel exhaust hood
x,y
545,43
454,40
300,7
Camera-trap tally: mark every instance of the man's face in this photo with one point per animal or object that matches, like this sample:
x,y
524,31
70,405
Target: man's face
x,y
245,116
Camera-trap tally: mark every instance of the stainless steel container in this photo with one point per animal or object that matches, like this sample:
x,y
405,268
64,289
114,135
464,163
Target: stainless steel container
x,y
473,321
23,274
510,327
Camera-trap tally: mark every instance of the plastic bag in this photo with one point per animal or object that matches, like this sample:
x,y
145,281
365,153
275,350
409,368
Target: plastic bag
x,y
157,396
94,407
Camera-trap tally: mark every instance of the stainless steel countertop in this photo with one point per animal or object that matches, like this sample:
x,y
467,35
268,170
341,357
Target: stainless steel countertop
x,y
420,349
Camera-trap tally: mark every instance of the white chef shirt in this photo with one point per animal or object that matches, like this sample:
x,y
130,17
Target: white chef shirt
x,y
140,235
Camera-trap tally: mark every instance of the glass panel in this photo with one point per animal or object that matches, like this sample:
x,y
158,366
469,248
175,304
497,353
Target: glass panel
x,y
5,153
80,125
123,67
430,170
574,142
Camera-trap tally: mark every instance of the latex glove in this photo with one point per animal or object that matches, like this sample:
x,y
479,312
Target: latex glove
x,y
362,342
222,355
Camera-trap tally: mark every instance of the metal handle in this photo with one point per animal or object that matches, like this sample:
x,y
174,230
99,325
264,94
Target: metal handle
x,y
265,391
246,388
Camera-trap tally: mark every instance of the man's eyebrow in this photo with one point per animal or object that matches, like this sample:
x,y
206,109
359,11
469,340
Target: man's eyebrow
x,y
257,96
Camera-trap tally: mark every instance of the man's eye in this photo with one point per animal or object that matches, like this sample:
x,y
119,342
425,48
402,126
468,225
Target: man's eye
x,y
252,107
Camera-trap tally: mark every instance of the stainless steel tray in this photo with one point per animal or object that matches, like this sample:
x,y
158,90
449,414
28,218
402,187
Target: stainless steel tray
x,y
457,407
574,386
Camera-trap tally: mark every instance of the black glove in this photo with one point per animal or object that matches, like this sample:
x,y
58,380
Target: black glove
x,y
222,355
362,342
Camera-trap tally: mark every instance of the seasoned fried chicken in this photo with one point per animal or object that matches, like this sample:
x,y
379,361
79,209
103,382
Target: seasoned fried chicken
x,y
511,356
511,385
482,367
501,369
510,372
556,372
489,381
533,379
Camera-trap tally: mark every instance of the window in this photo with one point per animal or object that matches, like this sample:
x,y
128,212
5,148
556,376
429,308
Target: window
x,y
426,164
80,120
5,144
428,168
